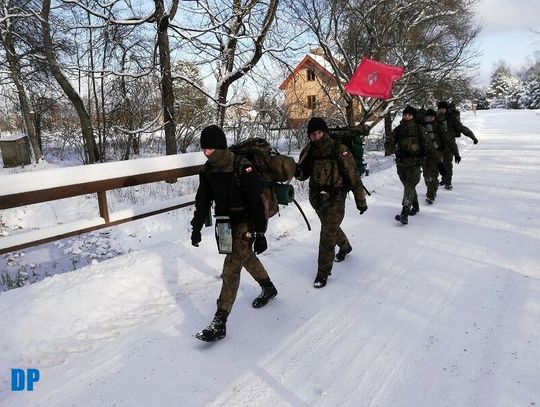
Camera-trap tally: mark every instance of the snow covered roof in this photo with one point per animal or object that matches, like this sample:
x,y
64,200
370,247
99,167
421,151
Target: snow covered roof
x,y
317,61
12,137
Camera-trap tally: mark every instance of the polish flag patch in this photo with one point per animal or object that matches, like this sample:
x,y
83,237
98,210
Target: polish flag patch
x,y
249,169
346,154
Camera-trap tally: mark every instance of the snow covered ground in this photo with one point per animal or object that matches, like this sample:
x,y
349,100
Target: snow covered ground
x,y
442,312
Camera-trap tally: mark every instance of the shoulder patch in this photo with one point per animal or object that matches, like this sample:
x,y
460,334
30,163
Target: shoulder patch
x,y
248,169
346,154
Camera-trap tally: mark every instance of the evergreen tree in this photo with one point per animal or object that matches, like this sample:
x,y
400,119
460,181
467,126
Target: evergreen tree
x,y
505,89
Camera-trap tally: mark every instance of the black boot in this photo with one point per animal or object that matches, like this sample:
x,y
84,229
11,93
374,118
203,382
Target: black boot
x,y
320,281
268,292
415,209
340,256
403,217
430,198
216,330
448,186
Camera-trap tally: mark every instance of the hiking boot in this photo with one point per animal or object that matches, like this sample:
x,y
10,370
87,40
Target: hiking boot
x,y
414,209
216,330
268,292
448,186
320,281
441,183
340,256
430,198
403,217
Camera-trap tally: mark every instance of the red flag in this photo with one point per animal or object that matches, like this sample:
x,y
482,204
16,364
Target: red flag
x,y
374,79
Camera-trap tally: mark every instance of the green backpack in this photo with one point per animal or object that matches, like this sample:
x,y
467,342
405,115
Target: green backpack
x,y
353,138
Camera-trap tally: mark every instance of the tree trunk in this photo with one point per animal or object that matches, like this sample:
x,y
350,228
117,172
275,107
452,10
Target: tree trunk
x,y
14,69
167,92
73,96
388,124
222,100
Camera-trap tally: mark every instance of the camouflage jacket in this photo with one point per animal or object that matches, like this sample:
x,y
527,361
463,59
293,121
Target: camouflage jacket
x,y
330,167
410,143
444,141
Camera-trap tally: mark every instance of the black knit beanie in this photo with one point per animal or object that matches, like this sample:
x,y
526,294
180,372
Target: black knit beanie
x,y
442,105
316,123
213,137
431,112
409,109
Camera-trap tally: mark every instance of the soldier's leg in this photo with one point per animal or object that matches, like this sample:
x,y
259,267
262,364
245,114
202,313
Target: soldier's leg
x,y
408,188
249,259
429,169
331,217
231,272
448,160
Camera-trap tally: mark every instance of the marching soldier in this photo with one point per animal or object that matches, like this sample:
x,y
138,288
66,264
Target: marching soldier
x,y
332,172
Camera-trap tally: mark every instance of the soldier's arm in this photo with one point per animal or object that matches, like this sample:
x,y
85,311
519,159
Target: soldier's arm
x,y
203,202
352,175
304,166
468,132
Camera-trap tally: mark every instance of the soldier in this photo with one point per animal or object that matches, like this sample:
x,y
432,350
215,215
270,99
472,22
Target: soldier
x,y
411,146
332,172
447,113
238,203
440,142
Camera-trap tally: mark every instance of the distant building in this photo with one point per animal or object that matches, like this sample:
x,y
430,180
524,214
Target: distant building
x,y
312,90
15,150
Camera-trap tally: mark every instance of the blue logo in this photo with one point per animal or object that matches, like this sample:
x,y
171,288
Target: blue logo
x,y
24,380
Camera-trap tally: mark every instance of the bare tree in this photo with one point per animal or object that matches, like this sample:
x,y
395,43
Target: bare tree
x,y
231,35
63,81
163,19
12,18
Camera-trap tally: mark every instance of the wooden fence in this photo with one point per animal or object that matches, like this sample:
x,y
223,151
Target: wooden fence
x,y
49,185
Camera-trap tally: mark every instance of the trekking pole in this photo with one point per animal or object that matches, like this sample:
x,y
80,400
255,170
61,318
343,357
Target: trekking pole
x,y
365,189
303,214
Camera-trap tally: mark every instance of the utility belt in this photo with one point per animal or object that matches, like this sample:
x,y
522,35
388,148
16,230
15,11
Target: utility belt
x,y
329,190
410,154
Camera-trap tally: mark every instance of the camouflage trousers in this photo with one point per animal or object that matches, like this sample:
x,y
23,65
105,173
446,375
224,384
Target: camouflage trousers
x,y
431,177
242,256
330,210
409,174
448,163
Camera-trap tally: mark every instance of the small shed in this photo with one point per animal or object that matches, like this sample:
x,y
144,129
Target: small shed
x,y
15,150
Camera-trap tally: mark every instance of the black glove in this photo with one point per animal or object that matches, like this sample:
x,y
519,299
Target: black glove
x,y
260,244
457,159
297,170
475,140
196,238
362,208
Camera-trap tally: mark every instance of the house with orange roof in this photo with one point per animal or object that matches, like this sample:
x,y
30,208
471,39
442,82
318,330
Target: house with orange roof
x,y
311,90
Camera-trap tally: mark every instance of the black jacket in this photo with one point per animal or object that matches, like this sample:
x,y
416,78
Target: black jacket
x,y
235,187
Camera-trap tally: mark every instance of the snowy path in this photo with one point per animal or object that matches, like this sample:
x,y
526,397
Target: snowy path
x,y
442,312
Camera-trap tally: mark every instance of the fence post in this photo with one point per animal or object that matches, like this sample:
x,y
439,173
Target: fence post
x,y
103,208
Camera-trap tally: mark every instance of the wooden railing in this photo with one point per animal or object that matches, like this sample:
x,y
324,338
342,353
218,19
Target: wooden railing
x,y
49,185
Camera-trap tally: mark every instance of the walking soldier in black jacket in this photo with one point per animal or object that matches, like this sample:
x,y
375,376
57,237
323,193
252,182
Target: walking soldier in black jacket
x,y
233,185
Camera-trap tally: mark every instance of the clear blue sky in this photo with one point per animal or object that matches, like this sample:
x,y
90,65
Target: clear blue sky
x,y
506,34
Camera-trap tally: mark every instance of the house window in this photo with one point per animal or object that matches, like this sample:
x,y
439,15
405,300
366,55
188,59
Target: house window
x,y
310,74
311,102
